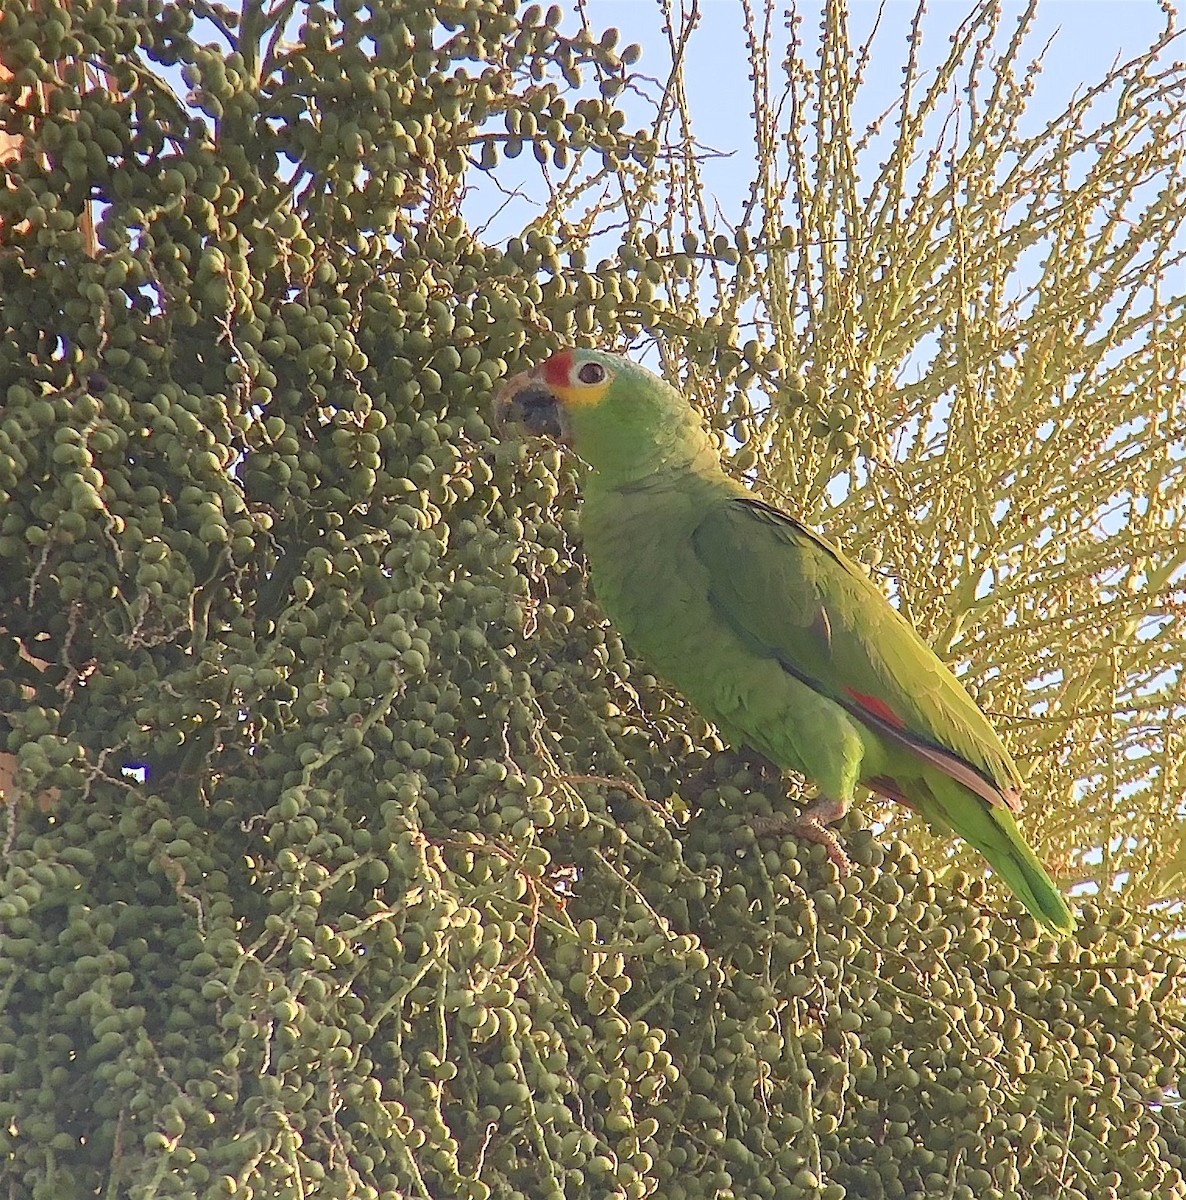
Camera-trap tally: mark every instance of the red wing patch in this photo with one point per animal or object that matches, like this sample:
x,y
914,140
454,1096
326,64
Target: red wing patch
x,y
558,369
877,707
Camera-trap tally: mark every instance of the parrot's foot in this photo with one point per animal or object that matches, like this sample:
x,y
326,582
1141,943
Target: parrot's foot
x,y
815,830
812,825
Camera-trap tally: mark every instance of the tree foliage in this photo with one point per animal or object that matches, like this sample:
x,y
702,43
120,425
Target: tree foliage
x,y
430,890
986,313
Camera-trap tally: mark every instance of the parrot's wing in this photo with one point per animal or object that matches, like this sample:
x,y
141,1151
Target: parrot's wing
x,y
792,597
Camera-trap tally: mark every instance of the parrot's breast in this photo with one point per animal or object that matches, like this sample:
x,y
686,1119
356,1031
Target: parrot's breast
x,y
655,591
658,593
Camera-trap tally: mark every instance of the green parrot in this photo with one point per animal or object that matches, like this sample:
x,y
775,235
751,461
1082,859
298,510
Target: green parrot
x,y
764,626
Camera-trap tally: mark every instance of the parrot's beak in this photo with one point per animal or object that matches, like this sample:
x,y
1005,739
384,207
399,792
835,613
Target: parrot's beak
x,y
524,400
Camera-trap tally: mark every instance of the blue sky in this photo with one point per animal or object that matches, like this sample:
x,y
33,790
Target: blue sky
x,y
1082,40
1088,37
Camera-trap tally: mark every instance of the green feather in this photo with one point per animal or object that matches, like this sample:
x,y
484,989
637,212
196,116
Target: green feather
x,y
774,635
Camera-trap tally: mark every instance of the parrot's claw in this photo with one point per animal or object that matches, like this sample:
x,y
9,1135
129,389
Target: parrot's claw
x,y
814,830
773,826
811,825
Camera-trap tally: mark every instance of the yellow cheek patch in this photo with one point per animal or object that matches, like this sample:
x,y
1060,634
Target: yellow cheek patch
x,y
581,397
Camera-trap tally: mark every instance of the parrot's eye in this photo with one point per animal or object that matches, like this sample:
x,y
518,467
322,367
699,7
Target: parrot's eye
x,y
591,373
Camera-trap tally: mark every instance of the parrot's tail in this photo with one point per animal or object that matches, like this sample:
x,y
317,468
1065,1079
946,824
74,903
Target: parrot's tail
x,y
994,832
1018,867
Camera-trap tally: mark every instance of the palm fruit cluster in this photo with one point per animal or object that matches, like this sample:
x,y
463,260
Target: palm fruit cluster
x,y
417,899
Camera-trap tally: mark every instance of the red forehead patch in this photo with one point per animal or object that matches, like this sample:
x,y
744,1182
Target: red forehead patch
x,y
558,369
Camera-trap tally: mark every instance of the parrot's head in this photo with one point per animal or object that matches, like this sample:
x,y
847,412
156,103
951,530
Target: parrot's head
x,y
543,400
619,417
